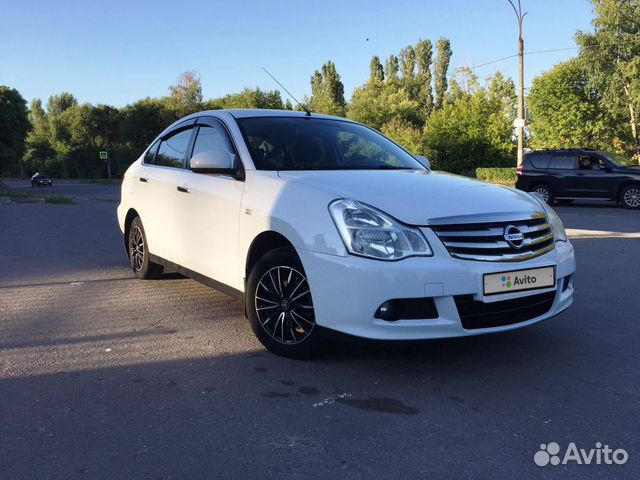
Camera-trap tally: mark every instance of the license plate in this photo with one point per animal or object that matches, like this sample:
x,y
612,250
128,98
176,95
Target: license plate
x,y
518,280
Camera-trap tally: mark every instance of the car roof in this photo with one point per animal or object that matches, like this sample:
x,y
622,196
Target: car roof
x,y
565,150
238,113
259,112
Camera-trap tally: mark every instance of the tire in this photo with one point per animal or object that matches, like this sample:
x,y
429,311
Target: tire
x,y
630,196
141,265
565,201
545,192
279,306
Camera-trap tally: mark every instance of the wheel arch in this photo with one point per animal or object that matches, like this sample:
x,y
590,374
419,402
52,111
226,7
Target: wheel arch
x,y
625,184
262,244
131,214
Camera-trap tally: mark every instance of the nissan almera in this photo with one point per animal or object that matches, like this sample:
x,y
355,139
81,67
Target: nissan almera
x,y
322,225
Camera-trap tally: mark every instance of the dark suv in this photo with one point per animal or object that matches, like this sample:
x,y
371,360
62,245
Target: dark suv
x,y
569,174
41,179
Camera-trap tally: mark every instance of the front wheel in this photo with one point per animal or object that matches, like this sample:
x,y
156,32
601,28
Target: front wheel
x,y
141,265
630,197
280,306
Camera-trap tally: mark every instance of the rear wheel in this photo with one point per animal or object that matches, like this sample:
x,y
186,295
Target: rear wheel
x,y
280,306
141,265
630,196
544,191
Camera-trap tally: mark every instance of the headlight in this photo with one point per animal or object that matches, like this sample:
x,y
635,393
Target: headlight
x,y
369,232
559,233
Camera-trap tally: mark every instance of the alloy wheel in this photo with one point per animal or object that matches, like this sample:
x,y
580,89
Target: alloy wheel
x,y
544,193
284,306
632,197
136,248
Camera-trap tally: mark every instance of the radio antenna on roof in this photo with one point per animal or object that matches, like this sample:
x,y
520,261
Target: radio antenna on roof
x,y
302,105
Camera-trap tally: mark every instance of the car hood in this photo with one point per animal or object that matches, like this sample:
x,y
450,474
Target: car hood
x,y
419,197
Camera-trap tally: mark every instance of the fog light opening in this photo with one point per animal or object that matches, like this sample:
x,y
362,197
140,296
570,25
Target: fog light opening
x,y
387,311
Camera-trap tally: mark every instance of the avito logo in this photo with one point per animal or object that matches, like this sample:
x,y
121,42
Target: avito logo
x,y
550,454
517,280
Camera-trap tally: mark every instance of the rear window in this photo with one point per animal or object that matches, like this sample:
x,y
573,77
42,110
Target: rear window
x,y
564,162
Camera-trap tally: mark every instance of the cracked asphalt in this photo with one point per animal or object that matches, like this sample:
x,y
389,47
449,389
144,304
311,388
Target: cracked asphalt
x,y
105,376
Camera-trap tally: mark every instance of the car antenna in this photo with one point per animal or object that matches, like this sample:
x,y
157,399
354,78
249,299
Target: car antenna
x,y
302,105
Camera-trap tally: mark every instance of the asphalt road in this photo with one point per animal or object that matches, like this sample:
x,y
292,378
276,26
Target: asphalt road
x,y
105,376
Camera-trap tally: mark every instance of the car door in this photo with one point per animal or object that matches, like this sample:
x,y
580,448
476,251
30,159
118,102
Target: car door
x,y
564,166
162,167
209,207
594,177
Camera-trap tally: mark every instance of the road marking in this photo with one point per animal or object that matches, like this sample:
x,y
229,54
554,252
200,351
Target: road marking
x,y
579,233
331,400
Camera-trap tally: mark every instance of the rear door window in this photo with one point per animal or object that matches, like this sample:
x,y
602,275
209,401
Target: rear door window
x,y
565,162
540,161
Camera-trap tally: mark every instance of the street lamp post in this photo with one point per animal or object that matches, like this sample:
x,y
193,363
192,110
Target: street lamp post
x,y
520,122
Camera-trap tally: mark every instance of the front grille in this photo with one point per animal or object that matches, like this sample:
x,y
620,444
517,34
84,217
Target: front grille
x,y
486,241
476,314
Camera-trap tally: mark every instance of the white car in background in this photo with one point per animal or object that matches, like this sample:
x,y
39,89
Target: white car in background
x,y
324,225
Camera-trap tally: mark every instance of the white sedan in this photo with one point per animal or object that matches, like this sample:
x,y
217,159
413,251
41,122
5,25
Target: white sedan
x,y
322,225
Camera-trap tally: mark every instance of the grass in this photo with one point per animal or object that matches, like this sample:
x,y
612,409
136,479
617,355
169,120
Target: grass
x,y
8,192
58,200
99,181
19,196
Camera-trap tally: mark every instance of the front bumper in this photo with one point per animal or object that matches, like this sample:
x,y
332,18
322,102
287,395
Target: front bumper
x,y
347,291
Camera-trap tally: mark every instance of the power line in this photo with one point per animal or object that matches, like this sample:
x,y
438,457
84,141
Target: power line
x,y
526,53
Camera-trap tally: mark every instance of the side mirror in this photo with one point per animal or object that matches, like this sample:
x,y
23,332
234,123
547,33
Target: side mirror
x,y
213,161
424,161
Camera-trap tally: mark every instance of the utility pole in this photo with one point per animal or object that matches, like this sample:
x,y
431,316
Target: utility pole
x,y
520,122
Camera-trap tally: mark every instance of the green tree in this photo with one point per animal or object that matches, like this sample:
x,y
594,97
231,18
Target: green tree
x,y
407,60
404,133
376,70
186,94
565,110
248,98
473,128
441,67
38,142
391,69
327,91
612,56
14,125
424,59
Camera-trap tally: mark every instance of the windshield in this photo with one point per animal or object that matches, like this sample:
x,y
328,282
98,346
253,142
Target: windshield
x,y
617,160
296,143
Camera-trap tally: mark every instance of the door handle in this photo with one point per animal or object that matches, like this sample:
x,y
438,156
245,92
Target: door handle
x,y
183,189
142,179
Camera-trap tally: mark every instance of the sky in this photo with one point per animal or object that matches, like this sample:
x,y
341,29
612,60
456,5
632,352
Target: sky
x,y
116,52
